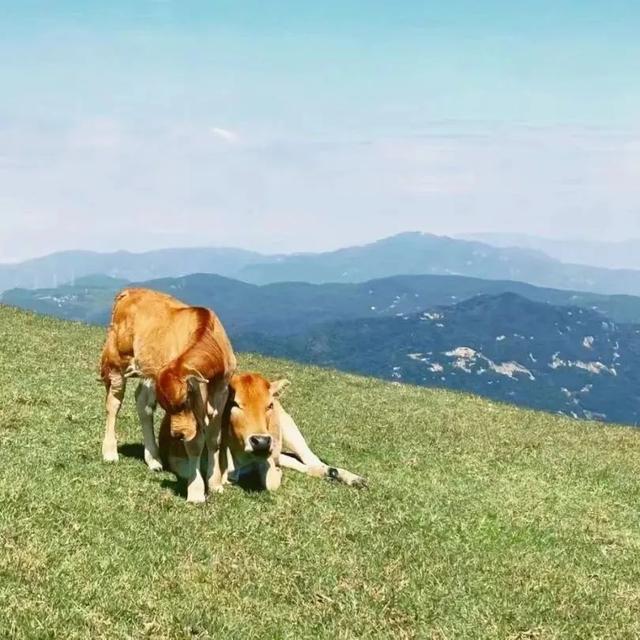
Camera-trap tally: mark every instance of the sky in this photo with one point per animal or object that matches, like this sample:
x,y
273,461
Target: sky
x,y
285,125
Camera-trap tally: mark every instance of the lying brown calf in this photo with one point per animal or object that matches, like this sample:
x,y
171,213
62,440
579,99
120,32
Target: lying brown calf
x,y
257,435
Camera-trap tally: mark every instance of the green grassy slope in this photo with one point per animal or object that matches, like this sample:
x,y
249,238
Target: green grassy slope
x,y
481,521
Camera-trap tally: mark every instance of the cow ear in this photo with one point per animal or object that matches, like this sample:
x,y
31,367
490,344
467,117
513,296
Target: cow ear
x,y
195,377
279,386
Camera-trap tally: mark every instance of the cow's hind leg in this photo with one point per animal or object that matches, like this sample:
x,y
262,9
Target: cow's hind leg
x,y
116,386
146,406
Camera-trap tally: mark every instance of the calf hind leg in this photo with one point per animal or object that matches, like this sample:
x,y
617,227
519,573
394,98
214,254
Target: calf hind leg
x,y
305,460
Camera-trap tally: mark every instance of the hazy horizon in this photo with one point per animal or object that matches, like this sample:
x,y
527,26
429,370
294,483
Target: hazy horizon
x,y
497,239
295,127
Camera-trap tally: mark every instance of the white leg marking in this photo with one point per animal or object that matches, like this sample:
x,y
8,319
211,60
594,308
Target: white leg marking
x,y
289,462
195,482
146,404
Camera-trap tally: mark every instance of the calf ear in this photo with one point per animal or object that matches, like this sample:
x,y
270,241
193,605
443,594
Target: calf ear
x,y
279,386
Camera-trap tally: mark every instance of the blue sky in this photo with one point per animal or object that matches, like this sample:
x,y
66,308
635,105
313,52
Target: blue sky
x,y
296,125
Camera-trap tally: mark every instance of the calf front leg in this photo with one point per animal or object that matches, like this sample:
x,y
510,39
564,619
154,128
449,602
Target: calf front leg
x,y
146,405
195,482
116,387
270,474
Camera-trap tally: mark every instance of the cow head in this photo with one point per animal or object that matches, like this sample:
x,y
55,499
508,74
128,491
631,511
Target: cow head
x,y
252,426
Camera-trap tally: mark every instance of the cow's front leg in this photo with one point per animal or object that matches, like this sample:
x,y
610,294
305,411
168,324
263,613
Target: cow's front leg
x,y
146,405
195,482
217,451
217,467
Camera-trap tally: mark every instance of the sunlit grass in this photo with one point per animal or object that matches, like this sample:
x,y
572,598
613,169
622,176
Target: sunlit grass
x,y
481,521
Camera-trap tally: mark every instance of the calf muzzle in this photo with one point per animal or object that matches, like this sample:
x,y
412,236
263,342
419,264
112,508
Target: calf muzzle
x,y
260,444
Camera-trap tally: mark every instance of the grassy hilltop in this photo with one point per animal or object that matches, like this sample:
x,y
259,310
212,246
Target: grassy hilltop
x,y
481,521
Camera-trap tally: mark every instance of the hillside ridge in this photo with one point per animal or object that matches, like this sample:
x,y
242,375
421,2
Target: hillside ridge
x,y
412,253
481,521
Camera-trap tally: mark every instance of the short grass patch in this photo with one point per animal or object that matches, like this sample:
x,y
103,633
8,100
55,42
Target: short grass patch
x,y
481,520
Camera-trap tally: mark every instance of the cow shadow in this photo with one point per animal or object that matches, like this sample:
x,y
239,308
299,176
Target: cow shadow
x,y
134,450
176,485
248,482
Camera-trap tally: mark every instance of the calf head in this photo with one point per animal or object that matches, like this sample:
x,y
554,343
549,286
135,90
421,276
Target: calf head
x,y
251,426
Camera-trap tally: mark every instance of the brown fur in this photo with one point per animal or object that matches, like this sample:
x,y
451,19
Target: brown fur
x,y
249,411
159,337
253,408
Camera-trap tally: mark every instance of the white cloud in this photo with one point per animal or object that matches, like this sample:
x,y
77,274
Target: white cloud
x,y
225,134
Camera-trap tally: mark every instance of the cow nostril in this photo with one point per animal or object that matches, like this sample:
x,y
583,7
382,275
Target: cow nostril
x,y
260,444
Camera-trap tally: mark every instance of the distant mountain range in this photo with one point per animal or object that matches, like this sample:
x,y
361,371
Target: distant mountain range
x,y
292,307
69,266
404,254
611,255
564,359
414,308
553,349
419,253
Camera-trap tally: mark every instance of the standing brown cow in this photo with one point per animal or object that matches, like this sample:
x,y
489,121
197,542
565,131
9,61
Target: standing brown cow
x,y
186,360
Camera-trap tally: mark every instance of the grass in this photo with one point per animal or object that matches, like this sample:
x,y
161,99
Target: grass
x,y
481,521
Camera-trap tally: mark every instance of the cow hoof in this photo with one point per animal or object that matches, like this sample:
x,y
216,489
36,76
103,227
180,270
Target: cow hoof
x,y
153,464
197,498
110,456
218,488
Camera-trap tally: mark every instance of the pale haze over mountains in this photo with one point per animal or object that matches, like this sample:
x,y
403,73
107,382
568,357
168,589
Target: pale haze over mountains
x,y
624,254
410,253
301,126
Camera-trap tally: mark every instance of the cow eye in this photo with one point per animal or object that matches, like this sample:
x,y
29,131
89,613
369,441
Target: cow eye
x,y
235,405
270,406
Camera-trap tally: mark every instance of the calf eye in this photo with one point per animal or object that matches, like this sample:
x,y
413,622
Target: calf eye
x,y
235,405
270,406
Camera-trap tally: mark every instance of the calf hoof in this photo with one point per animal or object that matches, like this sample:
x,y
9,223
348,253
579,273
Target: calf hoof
x,y
350,479
273,479
359,483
